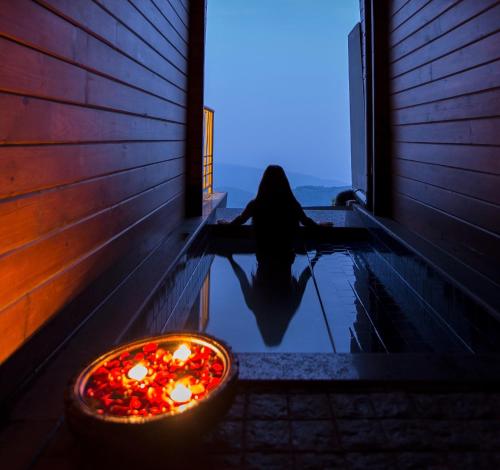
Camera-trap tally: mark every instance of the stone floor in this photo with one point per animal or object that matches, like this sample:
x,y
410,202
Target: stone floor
x,y
322,425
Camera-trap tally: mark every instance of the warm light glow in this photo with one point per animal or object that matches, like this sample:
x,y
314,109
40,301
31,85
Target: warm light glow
x,y
138,372
182,353
180,393
154,378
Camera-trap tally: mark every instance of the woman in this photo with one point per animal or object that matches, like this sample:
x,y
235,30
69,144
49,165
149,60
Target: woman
x,y
276,215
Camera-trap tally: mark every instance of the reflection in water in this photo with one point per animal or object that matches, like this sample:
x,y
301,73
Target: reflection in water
x,y
273,294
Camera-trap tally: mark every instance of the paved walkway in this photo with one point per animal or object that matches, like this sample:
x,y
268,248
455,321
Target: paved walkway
x,y
319,426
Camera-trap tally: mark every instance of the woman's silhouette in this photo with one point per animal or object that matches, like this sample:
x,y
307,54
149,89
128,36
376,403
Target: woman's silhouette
x,y
274,294
276,216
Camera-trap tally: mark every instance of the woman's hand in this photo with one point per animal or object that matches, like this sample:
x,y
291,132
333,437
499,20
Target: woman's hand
x,y
222,222
326,224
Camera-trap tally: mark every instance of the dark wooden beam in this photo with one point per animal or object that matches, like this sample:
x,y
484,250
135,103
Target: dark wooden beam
x,y
194,137
380,116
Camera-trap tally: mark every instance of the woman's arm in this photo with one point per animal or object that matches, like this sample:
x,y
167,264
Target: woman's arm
x,y
244,216
304,219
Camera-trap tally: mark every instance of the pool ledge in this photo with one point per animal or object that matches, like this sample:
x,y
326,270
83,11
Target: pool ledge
x,y
436,368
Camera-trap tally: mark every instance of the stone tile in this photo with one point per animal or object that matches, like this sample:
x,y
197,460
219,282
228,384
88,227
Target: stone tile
x,y
318,435
493,404
392,405
360,434
488,434
260,461
420,460
451,434
309,406
51,384
470,460
431,405
351,405
237,409
454,405
405,434
62,446
264,405
313,461
224,461
227,436
267,435
21,440
60,464
372,461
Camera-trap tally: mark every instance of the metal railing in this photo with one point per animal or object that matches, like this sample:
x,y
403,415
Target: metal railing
x,y
208,151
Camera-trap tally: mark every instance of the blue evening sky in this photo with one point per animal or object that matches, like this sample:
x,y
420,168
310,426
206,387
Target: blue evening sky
x,y
277,77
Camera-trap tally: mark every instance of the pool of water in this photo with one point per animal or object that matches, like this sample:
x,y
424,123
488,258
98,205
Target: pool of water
x,y
343,299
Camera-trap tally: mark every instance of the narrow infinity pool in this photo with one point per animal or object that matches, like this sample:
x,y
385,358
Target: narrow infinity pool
x,y
344,299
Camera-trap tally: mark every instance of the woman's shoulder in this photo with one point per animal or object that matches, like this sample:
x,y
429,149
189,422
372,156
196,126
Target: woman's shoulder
x,y
250,204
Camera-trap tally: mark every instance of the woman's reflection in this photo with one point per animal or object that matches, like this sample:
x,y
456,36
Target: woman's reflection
x,y
274,294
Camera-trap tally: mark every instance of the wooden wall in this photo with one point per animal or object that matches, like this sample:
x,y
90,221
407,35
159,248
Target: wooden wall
x,y
445,111
92,145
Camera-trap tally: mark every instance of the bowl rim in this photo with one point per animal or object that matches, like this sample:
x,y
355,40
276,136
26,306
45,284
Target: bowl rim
x,y
221,348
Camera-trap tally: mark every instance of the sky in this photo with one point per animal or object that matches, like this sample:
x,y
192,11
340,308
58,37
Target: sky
x,y
276,74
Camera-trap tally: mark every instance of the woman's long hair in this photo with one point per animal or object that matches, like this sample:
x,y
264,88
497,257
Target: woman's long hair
x,y
276,212
274,189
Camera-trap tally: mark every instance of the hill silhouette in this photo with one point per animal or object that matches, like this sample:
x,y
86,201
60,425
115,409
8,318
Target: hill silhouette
x,y
241,182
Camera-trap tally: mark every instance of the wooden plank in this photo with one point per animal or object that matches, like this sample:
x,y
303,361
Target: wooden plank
x,y
162,24
25,269
396,5
33,168
181,11
478,105
466,157
471,32
25,219
29,72
426,15
130,36
76,46
473,246
405,13
468,82
473,211
478,53
171,16
476,132
40,304
451,18
184,4
478,185
33,120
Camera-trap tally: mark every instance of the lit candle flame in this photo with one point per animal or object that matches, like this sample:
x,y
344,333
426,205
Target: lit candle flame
x,y
180,393
138,372
182,353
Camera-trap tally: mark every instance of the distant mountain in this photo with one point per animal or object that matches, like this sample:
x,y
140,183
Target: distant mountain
x,y
236,197
317,195
241,183
247,178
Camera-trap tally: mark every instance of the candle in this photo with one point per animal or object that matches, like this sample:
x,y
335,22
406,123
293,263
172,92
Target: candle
x,y
181,393
138,372
182,353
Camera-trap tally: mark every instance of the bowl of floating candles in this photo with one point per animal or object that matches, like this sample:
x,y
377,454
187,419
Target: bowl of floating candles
x,y
155,389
